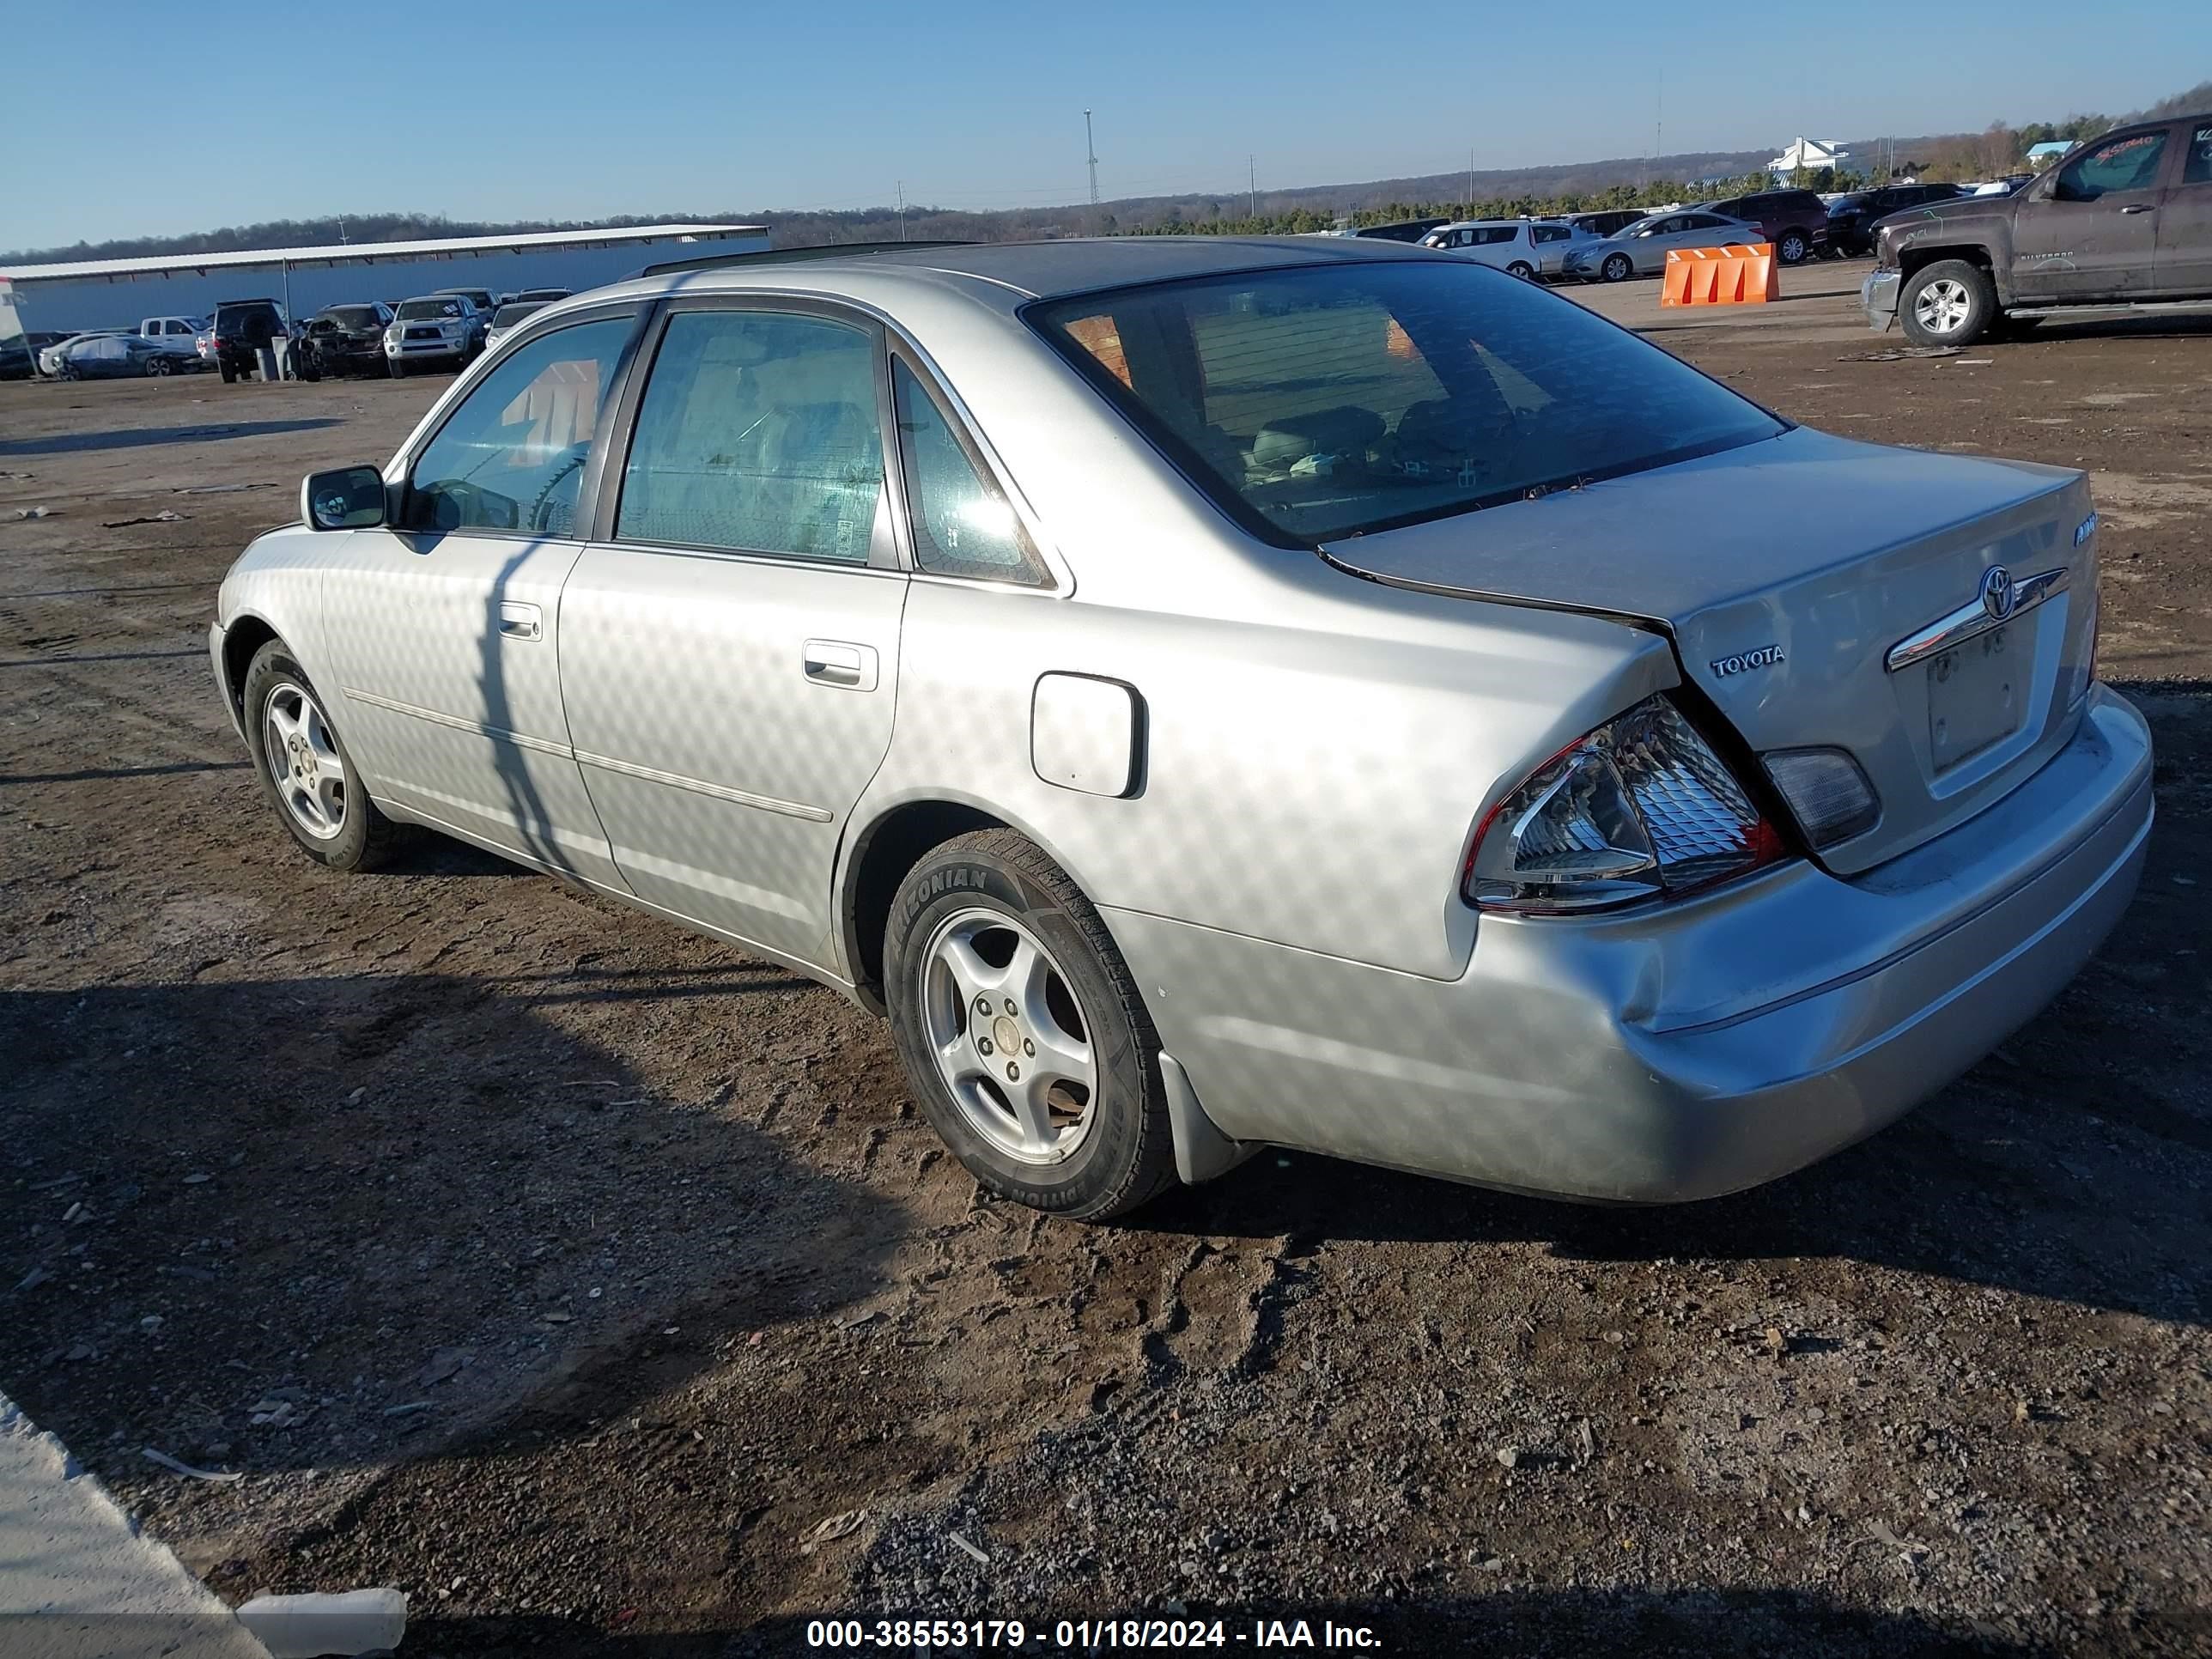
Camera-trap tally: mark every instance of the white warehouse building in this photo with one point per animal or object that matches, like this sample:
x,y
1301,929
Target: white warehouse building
x,y
118,292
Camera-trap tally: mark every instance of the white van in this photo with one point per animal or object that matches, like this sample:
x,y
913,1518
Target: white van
x,y
1526,247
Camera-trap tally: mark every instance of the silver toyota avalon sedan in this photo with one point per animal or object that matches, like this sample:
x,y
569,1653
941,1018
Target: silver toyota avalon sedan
x,y
1217,693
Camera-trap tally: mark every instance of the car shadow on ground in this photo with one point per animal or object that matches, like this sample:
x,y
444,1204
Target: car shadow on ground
x,y
1573,1624
142,437
323,1222
2072,1164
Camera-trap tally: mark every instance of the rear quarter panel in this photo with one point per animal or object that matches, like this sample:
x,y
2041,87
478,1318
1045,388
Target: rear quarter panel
x,y
1310,776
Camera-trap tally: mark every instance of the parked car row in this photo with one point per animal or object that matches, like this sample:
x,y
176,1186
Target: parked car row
x,y
449,328
1612,246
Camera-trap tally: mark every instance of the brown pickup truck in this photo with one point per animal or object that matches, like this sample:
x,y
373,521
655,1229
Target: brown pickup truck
x,y
2122,223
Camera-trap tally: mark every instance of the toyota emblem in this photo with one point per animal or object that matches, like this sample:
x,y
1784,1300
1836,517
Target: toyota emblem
x,y
1998,594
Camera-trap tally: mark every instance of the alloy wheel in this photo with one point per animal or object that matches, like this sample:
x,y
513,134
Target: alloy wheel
x,y
1008,1036
1943,306
304,763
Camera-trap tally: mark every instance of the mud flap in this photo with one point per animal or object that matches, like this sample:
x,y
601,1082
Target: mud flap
x,y
1201,1150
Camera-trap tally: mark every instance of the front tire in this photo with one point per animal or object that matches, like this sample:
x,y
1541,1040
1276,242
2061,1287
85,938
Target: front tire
x,y
396,369
156,365
1949,303
1024,1035
304,770
1618,268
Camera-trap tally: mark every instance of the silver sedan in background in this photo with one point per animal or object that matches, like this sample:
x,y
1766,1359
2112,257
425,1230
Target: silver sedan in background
x,y
1641,249
1211,693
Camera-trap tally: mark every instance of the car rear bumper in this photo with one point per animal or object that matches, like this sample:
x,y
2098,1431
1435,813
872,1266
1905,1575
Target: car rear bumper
x,y
1681,1052
1878,295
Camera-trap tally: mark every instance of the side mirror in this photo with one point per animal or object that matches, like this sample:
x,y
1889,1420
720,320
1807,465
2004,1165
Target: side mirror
x,y
351,498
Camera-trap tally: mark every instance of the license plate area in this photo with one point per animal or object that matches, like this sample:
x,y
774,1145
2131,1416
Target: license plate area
x,y
1975,692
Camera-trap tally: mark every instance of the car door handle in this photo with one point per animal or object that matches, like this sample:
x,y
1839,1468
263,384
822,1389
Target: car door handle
x,y
2138,207
520,622
840,663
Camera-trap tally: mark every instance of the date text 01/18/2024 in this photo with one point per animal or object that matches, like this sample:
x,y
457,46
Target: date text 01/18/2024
x,y
1085,1635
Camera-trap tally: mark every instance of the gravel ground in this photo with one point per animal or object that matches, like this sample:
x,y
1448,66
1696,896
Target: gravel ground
x,y
603,1289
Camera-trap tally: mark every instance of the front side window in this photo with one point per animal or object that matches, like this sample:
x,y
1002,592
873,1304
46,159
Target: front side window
x,y
1313,402
962,526
757,432
2130,163
512,456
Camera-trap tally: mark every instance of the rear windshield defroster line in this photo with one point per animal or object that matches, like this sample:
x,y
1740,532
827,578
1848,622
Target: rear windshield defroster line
x,y
1315,403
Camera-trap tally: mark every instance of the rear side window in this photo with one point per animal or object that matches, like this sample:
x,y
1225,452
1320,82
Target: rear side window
x,y
757,432
962,526
512,456
2197,168
1313,402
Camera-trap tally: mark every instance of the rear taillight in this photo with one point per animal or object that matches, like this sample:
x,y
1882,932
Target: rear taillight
x,y
1640,808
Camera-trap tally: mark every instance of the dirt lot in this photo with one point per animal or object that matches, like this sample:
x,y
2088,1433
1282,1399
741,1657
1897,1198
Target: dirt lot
x,y
571,1273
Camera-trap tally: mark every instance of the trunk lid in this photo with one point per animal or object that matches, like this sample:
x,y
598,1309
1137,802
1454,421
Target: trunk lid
x,y
1789,573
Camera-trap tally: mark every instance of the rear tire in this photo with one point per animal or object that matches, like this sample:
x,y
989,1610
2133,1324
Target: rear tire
x,y
278,694
229,374
1793,247
1525,271
984,903
1949,303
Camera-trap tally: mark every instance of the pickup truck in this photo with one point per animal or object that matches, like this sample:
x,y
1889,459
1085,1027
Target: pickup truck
x,y
176,337
2121,223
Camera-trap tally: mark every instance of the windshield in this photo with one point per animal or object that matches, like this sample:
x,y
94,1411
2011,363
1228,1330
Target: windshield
x,y
509,316
1313,402
415,311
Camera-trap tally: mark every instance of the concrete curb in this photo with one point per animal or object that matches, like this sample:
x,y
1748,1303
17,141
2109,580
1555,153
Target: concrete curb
x,y
78,1580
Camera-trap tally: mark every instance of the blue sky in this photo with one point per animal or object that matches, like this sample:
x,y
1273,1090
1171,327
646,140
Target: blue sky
x,y
555,109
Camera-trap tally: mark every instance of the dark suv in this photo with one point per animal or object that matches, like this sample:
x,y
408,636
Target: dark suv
x,y
350,339
1852,218
1794,221
242,328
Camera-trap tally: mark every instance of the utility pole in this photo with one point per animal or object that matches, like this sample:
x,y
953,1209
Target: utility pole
x,y
1470,179
1252,181
1659,123
1090,150
902,208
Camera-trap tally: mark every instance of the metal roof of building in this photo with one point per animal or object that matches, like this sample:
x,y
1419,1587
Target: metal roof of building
x,y
340,253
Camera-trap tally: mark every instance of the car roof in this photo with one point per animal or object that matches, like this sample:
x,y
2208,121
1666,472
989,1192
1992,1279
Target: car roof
x,y
1044,269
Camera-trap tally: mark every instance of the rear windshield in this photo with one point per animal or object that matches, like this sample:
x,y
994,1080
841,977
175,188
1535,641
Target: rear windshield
x,y
352,316
1321,402
413,311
